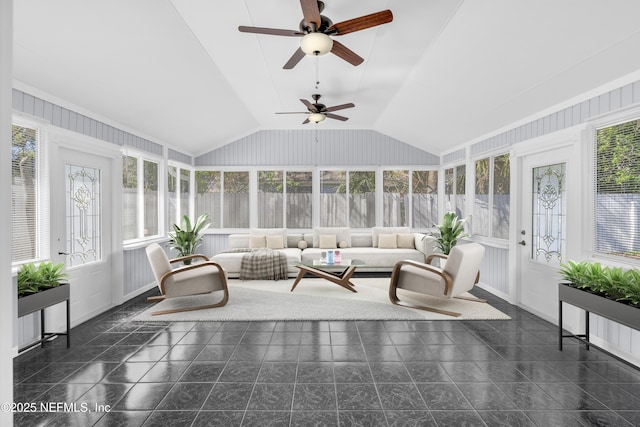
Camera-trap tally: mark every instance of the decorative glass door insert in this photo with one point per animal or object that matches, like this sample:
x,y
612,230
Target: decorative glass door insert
x,y
549,214
83,212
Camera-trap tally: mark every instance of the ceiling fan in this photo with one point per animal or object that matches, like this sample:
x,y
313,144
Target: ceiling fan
x,y
315,30
318,112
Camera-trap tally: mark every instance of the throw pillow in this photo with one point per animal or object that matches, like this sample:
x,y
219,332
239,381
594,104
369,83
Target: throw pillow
x,y
341,233
406,241
302,244
256,241
271,232
377,231
274,242
327,241
387,241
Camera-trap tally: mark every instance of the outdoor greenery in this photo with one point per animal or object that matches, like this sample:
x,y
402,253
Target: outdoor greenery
x,y
33,279
449,232
185,238
618,158
611,282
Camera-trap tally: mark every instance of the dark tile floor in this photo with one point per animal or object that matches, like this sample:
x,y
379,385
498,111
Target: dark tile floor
x,y
358,373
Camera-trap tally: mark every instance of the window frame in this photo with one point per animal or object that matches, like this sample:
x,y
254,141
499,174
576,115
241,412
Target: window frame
x,y
141,157
589,213
409,196
491,155
43,203
191,200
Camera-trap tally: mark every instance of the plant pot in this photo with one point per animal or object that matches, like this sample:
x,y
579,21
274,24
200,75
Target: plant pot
x,y
43,299
620,312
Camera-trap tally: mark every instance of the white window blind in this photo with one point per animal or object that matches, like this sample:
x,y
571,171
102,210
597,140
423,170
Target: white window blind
x,y
29,195
617,190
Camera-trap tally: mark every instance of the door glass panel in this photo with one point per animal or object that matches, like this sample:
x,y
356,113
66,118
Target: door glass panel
x,y
549,214
84,240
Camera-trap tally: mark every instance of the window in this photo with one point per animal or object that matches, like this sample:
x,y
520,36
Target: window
x,y
235,212
282,192
347,198
395,192
333,199
29,201
140,198
178,184
424,198
617,190
409,198
208,196
270,199
299,199
454,190
492,197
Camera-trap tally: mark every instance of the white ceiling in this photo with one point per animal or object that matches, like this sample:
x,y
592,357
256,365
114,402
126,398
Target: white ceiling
x,y
441,74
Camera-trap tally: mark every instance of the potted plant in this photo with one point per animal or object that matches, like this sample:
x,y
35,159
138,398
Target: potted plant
x,y
186,238
448,233
610,292
41,286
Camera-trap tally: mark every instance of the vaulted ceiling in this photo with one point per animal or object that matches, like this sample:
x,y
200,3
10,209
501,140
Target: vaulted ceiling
x,y
441,74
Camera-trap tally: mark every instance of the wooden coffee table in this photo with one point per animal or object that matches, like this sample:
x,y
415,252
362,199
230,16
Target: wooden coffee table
x,y
340,274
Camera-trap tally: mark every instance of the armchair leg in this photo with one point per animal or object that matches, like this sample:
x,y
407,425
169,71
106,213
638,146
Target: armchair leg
x,y
156,298
471,298
393,297
221,303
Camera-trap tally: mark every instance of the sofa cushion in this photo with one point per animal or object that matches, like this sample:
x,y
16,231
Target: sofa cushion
x,y
341,233
257,241
270,232
406,240
274,242
376,231
388,241
327,241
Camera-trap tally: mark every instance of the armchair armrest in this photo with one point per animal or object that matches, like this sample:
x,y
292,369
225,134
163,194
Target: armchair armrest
x,y
183,258
432,256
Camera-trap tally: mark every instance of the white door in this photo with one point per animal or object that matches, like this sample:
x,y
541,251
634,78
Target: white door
x,y
81,232
541,238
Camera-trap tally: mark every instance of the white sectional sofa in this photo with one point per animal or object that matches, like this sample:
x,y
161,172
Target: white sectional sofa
x,y
376,253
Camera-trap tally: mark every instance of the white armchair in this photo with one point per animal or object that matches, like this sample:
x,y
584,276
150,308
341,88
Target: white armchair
x,y
201,278
458,275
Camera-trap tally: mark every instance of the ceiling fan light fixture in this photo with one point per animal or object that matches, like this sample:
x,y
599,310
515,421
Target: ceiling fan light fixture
x,y
316,44
317,117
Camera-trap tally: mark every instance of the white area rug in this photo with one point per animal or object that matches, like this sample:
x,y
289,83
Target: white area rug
x,y
316,299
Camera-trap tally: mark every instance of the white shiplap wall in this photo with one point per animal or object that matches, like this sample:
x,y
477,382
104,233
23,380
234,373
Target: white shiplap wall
x,y
316,147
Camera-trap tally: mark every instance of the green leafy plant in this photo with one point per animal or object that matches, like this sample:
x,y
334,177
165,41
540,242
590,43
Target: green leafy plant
x,y
33,279
612,282
186,238
449,232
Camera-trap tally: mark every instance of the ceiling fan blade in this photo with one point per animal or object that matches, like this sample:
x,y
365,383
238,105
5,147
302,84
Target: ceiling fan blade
x,y
337,117
338,107
270,31
309,105
305,122
295,58
345,53
361,23
311,12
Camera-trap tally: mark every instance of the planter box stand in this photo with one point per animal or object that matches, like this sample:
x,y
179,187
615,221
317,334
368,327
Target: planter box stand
x,y
591,303
38,302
